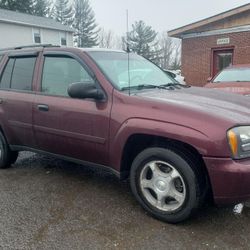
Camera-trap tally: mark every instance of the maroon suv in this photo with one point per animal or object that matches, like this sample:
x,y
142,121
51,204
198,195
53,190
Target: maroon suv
x,y
234,79
176,143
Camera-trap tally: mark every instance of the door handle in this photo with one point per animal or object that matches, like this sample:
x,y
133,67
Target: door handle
x,y
43,107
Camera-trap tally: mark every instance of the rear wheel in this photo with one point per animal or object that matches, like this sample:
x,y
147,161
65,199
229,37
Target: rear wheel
x,y
7,157
165,184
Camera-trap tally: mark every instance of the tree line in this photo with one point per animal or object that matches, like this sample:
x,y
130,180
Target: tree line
x,y
79,15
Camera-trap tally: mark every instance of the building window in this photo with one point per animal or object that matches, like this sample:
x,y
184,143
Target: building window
x,y
37,35
63,38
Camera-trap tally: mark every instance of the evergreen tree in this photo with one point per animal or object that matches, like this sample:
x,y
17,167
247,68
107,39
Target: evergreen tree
x,y
25,6
142,40
42,8
86,28
63,12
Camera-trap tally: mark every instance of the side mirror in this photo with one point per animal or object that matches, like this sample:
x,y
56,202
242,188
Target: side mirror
x,y
84,90
209,79
169,73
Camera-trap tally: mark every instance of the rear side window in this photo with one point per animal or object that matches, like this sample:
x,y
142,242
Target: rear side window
x,y
6,76
18,74
60,72
23,73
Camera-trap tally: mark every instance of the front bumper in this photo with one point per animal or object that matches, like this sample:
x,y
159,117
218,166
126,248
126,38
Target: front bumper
x,y
230,180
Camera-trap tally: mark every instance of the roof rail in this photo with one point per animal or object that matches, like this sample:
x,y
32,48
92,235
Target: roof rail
x,y
31,46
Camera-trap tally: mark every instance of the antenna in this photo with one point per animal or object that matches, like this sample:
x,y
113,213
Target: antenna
x,y
128,51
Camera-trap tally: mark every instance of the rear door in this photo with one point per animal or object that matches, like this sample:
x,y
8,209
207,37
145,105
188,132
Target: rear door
x,y
71,127
16,98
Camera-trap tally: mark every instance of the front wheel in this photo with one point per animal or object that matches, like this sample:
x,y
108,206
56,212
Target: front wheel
x,y
165,184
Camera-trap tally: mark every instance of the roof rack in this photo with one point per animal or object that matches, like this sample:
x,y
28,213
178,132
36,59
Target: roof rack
x,y
31,46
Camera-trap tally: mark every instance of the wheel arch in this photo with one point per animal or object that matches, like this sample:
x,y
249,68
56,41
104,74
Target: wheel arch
x,y
136,143
137,132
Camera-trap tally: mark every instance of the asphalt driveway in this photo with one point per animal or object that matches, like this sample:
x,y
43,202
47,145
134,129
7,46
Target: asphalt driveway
x,y
52,204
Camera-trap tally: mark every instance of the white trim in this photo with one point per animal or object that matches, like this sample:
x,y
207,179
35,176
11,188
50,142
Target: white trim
x,y
34,25
218,32
230,13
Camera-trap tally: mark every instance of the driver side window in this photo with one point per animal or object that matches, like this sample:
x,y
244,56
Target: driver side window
x,y
59,72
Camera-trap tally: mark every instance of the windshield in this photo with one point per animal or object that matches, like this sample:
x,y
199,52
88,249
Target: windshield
x,y
142,71
233,75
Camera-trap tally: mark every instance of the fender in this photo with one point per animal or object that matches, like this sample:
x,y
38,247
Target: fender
x,y
168,130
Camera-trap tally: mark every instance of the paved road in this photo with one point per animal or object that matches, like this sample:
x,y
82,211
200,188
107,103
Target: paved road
x,y
51,204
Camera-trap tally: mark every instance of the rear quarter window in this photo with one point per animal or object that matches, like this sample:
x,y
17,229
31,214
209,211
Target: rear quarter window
x,y
6,75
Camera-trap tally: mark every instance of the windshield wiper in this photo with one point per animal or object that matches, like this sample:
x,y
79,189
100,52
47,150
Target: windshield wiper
x,y
143,86
168,86
175,85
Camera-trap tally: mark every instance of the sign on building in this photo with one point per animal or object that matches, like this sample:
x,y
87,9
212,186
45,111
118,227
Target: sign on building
x,y
222,41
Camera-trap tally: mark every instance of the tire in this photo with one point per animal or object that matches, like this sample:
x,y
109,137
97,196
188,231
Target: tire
x,y
166,185
7,157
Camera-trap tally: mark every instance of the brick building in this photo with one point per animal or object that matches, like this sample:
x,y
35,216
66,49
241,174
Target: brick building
x,y
214,43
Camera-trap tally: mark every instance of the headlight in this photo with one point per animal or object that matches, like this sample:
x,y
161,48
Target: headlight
x,y
239,142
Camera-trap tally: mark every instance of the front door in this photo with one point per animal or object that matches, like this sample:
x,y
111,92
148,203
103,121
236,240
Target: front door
x,y
221,60
71,127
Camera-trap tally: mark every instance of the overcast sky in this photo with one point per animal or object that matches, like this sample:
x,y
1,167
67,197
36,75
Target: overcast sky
x,y
162,15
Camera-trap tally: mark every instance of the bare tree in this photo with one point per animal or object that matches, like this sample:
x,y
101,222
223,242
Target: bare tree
x,y
109,40
166,45
176,55
169,52
106,39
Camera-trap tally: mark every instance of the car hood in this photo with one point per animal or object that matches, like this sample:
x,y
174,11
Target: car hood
x,y
208,103
242,88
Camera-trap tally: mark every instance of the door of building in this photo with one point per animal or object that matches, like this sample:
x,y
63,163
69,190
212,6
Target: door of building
x,y
222,59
